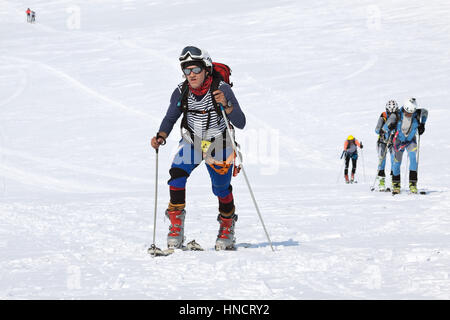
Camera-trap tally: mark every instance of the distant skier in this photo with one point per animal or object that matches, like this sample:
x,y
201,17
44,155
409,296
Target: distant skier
x,y
351,152
384,144
33,16
204,137
28,15
411,121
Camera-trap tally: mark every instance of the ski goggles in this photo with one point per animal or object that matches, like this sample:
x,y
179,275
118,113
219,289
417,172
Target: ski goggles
x,y
195,70
194,52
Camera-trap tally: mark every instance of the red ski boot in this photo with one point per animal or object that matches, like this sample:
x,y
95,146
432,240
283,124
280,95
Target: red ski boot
x,y
225,238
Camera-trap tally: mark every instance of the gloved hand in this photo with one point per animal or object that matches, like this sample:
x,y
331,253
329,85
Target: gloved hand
x,y
421,128
361,145
382,133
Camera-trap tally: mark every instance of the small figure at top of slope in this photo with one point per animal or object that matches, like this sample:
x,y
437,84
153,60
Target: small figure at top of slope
x,y
28,15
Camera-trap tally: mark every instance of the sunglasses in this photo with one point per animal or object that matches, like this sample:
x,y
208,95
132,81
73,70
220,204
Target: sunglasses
x,y
195,70
194,52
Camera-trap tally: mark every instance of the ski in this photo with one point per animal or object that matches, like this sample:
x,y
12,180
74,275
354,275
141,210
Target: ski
x,y
419,192
236,247
413,193
191,246
380,190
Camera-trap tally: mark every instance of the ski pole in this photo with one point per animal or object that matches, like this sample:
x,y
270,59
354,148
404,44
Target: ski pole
x,y
418,150
364,167
406,167
380,160
340,170
153,247
243,171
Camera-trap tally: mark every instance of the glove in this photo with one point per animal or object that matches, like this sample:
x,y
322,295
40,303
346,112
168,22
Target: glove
x,y
421,128
361,145
382,133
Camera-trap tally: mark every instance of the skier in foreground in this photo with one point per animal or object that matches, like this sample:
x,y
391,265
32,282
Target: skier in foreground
x,y
351,152
384,144
204,137
411,120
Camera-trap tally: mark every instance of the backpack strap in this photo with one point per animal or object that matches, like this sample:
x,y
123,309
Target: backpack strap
x,y
183,103
418,114
217,78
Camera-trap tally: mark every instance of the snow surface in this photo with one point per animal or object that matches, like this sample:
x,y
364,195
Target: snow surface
x,y
84,89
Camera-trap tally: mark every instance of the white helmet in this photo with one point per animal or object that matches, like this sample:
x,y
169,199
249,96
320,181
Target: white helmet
x,y
391,106
410,105
192,53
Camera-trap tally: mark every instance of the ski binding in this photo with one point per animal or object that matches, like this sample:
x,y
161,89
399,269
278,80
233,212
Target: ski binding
x,y
157,252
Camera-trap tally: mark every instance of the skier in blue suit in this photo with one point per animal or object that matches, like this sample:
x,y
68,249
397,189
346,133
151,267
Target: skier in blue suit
x,y
411,121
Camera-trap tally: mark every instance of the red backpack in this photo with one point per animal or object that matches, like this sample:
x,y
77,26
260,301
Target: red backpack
x,y
223,70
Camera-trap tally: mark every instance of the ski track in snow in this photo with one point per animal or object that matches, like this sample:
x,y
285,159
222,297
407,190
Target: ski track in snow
x,y
77,225
77,84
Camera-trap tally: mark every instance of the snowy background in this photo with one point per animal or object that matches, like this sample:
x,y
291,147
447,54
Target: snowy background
x,y
84,89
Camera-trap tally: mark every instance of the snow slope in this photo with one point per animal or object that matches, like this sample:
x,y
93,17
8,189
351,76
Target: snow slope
x,y
84,89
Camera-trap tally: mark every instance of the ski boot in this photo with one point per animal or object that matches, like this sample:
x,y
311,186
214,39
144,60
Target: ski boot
x,y
413,187
346,178
413,181
175,237
381,184
225,238
352,178
395,187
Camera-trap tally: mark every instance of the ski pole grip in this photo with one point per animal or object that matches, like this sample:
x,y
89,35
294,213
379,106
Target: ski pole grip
x,y
160,136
